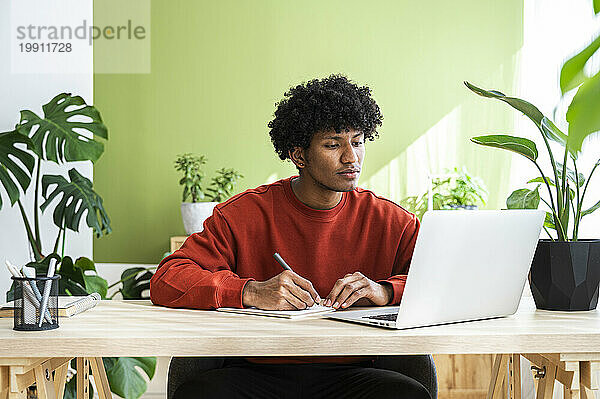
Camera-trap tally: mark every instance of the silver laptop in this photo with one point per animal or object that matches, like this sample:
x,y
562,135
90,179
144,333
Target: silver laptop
x,y
467,265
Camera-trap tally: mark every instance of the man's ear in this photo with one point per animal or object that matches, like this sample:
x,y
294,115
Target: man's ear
x,y
298,157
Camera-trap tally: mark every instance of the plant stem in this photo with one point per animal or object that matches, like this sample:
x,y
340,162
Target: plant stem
x,y
557,222
564,215
547,232
62,253
558,193
580,205
576,214
37,252
113,295
36,219
57,240
546,202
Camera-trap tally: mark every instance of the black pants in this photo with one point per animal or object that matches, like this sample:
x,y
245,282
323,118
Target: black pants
x,y
241,379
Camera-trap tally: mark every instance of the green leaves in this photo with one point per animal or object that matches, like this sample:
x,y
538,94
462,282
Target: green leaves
x,y
95,283
596,6
583,115
571,73
123,377
525,107
591,209
524,199
72,280
75,281
56,138
222,185
520,145
570,174
21,174
135,282
549,221
77,198
583,118
191,166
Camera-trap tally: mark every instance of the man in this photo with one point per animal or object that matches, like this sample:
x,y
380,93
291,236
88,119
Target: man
x,y
345,245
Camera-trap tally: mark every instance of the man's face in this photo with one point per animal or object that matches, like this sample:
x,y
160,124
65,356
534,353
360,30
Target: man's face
x,y
334,160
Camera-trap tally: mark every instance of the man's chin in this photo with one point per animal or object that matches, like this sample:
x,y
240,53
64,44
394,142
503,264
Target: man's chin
x,y
348,186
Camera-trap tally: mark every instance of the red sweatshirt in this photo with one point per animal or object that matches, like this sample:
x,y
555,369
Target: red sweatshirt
x,y
364,233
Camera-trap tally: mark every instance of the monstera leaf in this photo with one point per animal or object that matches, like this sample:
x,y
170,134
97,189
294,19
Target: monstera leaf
x,y
56,138
78,197
123,377
135,283
21,173
72,279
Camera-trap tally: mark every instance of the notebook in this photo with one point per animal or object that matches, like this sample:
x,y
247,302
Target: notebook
x,y
67,305
315,310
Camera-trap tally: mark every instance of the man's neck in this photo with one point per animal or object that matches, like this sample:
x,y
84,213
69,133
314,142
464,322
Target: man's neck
x,y
313,195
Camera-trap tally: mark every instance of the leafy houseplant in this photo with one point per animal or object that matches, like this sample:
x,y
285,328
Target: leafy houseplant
x,y
563,254
196,212
66,133
458,191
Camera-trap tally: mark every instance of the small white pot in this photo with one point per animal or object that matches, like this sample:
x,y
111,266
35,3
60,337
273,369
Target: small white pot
x,y
194,214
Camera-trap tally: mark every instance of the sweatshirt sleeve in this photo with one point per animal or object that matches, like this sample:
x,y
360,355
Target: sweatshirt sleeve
x,y
200,275
403,258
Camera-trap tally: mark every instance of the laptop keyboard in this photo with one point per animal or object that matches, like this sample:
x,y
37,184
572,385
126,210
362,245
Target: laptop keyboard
x,y
387,316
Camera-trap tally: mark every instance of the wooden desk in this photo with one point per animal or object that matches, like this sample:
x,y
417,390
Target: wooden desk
x,y
570,340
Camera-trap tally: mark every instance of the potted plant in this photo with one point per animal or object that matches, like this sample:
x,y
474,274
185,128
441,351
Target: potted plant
x,y
57,137
565,272
459,190
203,201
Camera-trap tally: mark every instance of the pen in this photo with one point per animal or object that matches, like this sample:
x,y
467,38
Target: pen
x,y
47,287
280,260
28,293
29,272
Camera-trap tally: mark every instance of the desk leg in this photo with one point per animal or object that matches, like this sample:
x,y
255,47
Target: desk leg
x,y
60,379
514,370
44,381
100,378
498,376
83,378
546,384
572,392
585,380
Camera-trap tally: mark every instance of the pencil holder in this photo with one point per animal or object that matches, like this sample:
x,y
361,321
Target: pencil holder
x,y
29,296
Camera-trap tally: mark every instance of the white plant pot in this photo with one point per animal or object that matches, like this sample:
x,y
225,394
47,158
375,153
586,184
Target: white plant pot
x,y
194,214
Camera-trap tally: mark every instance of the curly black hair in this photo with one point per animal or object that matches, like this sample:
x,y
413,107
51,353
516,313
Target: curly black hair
x,y
320,105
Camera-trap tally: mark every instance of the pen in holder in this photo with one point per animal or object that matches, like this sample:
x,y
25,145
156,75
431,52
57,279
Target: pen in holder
x,y
28,294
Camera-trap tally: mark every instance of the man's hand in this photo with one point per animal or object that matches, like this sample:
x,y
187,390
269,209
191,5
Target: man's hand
x,y
286,291
355,287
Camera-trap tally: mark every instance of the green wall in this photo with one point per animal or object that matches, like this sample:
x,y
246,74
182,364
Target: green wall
x,y
218,67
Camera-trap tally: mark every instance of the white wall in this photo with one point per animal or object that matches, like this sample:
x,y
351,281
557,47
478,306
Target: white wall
x,y
31,91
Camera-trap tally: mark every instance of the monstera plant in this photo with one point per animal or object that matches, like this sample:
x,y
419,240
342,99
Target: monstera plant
x,y
68,132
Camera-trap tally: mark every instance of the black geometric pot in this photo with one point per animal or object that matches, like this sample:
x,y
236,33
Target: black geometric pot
x,y
566,275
